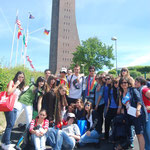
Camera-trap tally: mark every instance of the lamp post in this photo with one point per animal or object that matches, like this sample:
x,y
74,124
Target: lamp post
x,y
115,39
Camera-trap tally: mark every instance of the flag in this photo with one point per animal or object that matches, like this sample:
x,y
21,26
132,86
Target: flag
x,y
46,32
31,17
18,23
19,33
30,61
24,39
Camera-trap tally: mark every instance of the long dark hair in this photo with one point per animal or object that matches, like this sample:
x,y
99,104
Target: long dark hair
x,y
40,79
115,91
121,80
48,88
22,84
85,112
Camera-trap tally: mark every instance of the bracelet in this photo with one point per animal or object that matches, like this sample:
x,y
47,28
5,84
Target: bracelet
x,y
138,110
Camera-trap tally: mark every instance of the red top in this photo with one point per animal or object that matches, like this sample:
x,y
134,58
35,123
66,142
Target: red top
x,y
145,99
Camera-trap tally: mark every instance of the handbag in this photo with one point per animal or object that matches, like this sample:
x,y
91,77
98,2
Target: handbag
x,y
82,124
7,101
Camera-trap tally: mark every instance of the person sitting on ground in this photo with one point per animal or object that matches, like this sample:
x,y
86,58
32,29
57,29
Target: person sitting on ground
x,y
71,109
38,128
93,133
67,137
79,111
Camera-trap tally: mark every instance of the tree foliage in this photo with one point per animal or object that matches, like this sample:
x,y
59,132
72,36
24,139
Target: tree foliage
x,y
93,52
142,69
135,73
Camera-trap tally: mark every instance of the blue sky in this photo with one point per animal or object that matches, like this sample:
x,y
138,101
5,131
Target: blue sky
x,y
128,20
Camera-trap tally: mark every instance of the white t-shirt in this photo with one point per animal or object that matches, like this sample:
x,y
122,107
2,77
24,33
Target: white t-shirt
x,y
17,92
76,88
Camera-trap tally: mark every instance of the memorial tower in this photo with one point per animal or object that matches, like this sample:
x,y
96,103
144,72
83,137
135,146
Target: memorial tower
x,y
64,35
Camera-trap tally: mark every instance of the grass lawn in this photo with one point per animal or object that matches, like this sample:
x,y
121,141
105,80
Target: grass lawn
x,y
2,122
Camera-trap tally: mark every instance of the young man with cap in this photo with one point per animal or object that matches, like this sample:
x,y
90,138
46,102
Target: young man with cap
x,y
62,79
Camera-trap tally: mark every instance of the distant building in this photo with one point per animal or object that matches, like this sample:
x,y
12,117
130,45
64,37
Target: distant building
x,y
64,34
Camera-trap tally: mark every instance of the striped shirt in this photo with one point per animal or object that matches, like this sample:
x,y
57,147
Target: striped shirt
x,y
33,124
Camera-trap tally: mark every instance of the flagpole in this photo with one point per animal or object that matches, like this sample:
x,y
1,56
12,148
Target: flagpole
x,y
12,47
17,52
25,50
21,51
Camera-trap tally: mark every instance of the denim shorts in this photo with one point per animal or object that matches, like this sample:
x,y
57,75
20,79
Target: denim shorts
x,y
138,123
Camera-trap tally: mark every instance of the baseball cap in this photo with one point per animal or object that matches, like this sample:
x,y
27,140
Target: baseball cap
x,y
71,115
63,70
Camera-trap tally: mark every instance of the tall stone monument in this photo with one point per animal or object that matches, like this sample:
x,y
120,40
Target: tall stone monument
x,y
64,35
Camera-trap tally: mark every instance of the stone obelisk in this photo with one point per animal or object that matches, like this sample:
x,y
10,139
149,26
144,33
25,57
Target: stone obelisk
x,y
64,35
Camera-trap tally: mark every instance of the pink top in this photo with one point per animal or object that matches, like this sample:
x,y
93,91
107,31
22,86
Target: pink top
x,y
34,124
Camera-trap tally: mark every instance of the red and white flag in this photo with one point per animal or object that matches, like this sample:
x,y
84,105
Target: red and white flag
x,y
30,61
18,23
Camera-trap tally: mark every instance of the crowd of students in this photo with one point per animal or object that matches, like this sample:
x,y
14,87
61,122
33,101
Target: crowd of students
x,y
55,105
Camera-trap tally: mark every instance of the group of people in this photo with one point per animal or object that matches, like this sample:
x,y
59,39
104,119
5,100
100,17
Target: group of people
x,y
54,106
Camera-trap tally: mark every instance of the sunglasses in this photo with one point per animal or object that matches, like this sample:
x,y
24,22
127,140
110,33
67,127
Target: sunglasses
x,y
124,83
115,82
91,70
87,105
107,79
124,70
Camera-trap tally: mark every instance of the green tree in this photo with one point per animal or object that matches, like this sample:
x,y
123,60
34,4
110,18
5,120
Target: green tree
x,y
135,73
93,52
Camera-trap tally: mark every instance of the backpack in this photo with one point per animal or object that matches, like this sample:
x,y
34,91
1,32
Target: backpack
x,y
120,127
24,141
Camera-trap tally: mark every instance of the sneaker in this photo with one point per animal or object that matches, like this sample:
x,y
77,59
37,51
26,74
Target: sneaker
x,y
9,147
2,145
132,146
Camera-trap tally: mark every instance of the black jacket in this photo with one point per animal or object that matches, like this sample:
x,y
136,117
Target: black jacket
x,y
96,122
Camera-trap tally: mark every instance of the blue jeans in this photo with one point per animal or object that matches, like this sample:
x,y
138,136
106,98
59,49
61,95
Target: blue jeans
x,y
147,134
39,142
58,139
10,119
93,138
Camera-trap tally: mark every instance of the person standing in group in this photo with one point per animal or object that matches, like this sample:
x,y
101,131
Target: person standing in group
x,y
99,100
130,98
140,84
48,100
76,85
69,72
26,100
90,85
112,107
47,73
38,128
62,80
125,73
15,86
